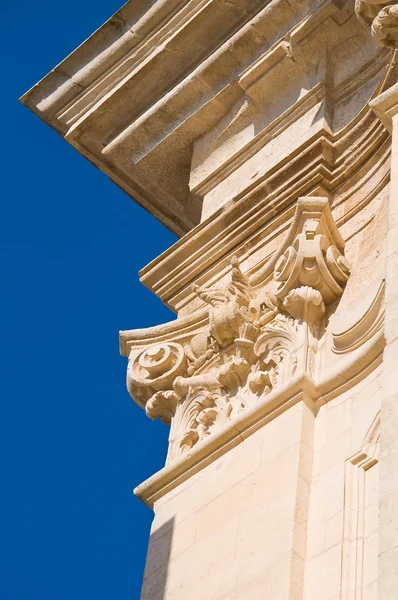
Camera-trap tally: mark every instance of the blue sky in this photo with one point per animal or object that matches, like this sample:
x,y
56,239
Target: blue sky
x,y
73,443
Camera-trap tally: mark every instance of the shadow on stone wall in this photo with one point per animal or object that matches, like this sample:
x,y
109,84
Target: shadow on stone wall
x,y
157,563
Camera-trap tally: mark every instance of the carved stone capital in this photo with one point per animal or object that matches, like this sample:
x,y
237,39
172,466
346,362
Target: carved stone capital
x,y
259,334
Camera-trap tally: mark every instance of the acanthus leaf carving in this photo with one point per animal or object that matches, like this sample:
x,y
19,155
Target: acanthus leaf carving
x,y
194,419
162,405
305,303
275,349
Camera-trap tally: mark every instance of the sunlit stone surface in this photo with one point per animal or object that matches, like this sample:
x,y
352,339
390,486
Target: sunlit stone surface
x,y
265,135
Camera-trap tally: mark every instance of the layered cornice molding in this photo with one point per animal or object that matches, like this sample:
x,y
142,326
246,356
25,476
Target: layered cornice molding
x,y
350,166
175,128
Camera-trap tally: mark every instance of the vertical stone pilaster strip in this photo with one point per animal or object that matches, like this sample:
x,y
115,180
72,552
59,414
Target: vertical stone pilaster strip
x,y
388,550
386,107
299,545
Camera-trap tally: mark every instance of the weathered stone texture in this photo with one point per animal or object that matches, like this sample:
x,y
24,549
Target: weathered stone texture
x,y
264,133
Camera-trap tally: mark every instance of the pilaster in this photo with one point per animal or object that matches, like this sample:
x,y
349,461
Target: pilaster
x,y
386,107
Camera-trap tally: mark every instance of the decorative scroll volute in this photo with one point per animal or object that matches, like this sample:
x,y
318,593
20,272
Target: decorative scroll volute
x,y
154,369
314,259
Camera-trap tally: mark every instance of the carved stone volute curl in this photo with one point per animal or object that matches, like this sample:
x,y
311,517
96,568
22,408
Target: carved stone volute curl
x,y
154,369
314,259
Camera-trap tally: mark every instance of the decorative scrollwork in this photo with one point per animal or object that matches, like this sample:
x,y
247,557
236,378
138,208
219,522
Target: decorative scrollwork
x,y
155,368
312,262
314,256
162,405
275,349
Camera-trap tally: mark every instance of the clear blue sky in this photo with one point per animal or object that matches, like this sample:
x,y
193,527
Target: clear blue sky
x,y
73,443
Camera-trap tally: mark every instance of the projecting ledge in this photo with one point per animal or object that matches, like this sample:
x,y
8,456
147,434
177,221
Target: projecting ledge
x,y
385,106
300,388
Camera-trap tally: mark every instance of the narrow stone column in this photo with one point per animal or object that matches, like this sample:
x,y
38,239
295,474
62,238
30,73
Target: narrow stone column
x,y
386,107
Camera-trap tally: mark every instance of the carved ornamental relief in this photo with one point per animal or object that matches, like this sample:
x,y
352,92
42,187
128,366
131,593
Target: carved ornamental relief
x,y
258,337
382,18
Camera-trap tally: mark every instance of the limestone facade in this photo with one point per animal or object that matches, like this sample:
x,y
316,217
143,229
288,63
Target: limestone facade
x,y
265,134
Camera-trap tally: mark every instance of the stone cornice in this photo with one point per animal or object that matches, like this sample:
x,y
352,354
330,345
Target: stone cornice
x,y
111,53
135,104
135,57
250,220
